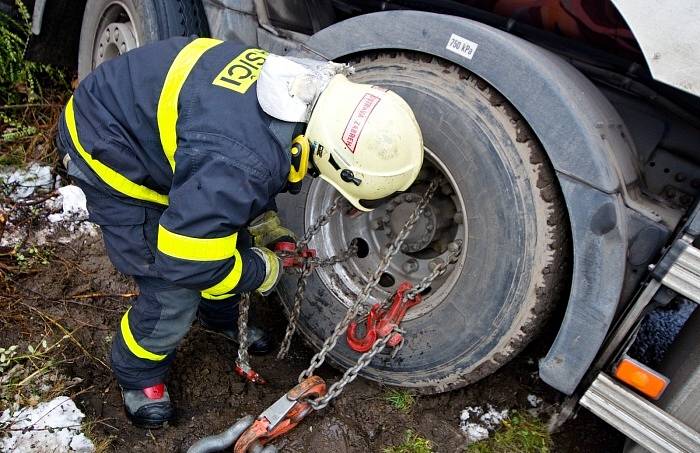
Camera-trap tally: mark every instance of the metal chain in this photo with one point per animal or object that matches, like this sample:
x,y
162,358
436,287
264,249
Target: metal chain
x,y
323,262
243,310
395,246
308,267
352,372
309,264
365,359
295,311
455,249
320,222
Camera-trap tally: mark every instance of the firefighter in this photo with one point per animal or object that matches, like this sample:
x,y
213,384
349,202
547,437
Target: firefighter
x,y
181,147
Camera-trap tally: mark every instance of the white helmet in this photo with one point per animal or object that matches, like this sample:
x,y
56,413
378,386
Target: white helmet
x,y
365,141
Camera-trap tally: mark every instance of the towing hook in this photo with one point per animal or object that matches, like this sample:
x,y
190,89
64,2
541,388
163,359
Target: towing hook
x,y
381,323
222,441
286,413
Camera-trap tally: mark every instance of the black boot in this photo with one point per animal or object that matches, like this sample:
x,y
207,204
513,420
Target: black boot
x,y
149,408
260,342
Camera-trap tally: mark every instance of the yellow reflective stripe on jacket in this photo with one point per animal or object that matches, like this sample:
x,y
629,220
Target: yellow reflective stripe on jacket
x,y
133,346
115,180
213,297
195,249
228,283
167,103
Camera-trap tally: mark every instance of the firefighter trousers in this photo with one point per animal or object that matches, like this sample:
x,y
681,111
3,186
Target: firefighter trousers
x,y
151,329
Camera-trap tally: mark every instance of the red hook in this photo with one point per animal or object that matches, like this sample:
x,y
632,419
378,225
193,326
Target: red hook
x,y
381,323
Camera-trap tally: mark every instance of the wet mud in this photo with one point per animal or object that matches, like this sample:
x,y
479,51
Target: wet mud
x,y
210,397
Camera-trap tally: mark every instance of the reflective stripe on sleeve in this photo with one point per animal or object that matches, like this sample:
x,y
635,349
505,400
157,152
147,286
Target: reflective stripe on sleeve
x,y
220,290
213,297
196,249
167,103
133,346
115,180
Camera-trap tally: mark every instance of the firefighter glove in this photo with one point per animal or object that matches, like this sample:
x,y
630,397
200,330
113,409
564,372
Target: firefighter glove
x,y
267,230
273,269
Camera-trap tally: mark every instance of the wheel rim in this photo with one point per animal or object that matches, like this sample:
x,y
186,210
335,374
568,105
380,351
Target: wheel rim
x,y
115,34
426,244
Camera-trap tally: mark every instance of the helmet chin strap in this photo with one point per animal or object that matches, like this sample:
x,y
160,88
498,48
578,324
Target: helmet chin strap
x,y
300,154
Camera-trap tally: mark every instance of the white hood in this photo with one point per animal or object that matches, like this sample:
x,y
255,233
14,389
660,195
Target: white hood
x,y
289,87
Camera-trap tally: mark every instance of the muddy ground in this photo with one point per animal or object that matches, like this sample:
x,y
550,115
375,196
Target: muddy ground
x,y
84,294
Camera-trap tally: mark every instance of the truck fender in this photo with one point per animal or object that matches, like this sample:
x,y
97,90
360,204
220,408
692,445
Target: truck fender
x,y
581,132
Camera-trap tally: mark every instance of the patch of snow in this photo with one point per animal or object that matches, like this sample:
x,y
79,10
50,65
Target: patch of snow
x,y
25,181
73,204
477,422
50,426
67,220
534,400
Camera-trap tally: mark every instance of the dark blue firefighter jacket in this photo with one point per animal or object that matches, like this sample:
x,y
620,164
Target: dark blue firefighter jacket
x,y
177,124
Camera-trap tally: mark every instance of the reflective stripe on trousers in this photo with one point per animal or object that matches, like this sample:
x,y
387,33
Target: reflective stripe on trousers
x,y
150,331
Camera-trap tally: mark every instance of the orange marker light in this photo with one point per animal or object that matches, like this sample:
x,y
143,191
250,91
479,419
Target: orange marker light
x,y
641,377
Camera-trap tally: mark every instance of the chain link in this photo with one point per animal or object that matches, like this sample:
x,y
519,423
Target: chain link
x,y
455,249
243,310
395,246
322,220
352,372
295,311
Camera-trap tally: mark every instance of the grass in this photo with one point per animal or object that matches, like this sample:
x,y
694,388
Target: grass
x,y
413,443
31,96
102,442
519,433
400,399
30,373
21,81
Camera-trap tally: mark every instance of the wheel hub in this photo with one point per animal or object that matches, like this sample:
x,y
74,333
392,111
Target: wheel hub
x,y
398,210
427,245
116,39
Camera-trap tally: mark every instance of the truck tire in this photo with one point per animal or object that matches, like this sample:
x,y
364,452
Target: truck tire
x,y
501,200
112,27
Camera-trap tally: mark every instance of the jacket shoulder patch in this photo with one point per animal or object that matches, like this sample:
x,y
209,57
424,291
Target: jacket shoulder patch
x,y
242,71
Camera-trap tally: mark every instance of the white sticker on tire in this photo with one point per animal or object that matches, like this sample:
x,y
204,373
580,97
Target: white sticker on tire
x,y
461,46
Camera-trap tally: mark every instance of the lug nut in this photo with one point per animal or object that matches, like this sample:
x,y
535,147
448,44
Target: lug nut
x,y
458,218
405,248
435,263
410,266
454,246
